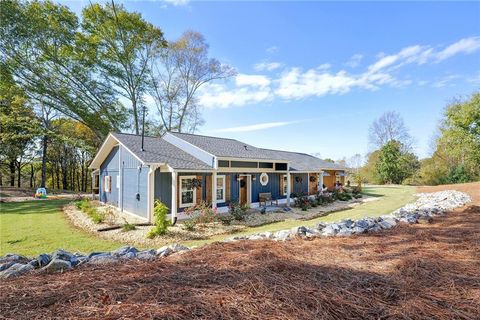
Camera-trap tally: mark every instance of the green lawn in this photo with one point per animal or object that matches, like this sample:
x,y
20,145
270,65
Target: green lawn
x,y
34,227
390,198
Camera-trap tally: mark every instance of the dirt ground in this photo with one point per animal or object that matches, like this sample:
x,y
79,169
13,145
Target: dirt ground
x,y
423,271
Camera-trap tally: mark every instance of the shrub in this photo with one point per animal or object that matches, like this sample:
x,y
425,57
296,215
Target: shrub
x,y
128,227
226,220
202,213
86,206
302,201
160,211
237,211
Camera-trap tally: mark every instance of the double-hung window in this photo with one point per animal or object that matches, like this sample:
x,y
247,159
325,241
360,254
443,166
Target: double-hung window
x,y
220,189
187,192
285,184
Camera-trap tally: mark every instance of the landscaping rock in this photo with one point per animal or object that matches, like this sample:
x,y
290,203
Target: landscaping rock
x,y
330,230
168,250
124,250
147,255
362,223
43,259
15,270
16,258
320,226
6,265
101,259
57,265
281,235
65,256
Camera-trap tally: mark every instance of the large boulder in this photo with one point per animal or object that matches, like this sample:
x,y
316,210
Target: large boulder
x,y
43,259
282,235
125,251
15,270
330,230
57,265
173,248
66,256
147,255
11,257
103,258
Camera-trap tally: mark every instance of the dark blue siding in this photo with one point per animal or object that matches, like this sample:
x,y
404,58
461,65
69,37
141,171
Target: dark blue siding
x,y
301,186
110,168
273,186
163,187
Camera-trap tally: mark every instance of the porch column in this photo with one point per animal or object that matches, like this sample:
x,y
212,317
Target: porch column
x,y
150,192
288,189
173,209
214,189
320,181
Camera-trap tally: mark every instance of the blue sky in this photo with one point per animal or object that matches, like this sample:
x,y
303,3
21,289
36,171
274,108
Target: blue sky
x,y
312,76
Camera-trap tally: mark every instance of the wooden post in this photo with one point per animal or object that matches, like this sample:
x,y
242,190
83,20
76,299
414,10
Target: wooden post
x,y
288,188
214,190
173,209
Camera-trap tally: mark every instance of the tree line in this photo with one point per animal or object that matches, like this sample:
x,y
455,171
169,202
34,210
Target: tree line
x,y
68,80
456,149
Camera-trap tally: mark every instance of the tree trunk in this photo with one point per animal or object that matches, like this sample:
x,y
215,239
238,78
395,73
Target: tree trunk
x,y
12,173
44,161
32,175
19,178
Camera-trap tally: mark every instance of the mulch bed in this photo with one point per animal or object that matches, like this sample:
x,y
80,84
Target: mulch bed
x,y
411,272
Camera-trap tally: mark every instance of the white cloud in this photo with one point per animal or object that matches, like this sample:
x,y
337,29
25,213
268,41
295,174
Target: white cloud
x,y
220,96
466,45
354,61
296,83
272,49
445,81
256,127
251,80
267,66
177,3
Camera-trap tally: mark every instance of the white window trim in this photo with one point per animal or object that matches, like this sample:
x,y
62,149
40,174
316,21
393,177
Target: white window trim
x,y
223,188
285,184
107,184
186,205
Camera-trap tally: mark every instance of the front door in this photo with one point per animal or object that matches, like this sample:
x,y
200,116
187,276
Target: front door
x,y
243,190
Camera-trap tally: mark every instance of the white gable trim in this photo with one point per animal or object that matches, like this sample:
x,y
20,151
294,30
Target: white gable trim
x,y
191,149
107,146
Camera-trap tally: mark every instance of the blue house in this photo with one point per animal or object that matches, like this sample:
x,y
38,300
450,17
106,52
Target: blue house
x,y
182,170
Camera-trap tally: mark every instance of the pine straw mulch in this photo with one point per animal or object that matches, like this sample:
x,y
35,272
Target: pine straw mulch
x,y
411,272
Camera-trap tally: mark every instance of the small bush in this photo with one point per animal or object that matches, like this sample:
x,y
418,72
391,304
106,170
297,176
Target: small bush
x,y
226,220
189,224
237,211
160,211
302,201
128,227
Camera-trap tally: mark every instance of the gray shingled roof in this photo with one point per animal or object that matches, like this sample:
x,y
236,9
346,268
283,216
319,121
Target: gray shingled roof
x,y
157,150
229,148
304,162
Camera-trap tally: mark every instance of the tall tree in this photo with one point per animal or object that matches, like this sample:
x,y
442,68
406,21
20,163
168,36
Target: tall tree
x,y
122,44
388,127
182,69
39,45
18,126
456,157
394,164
